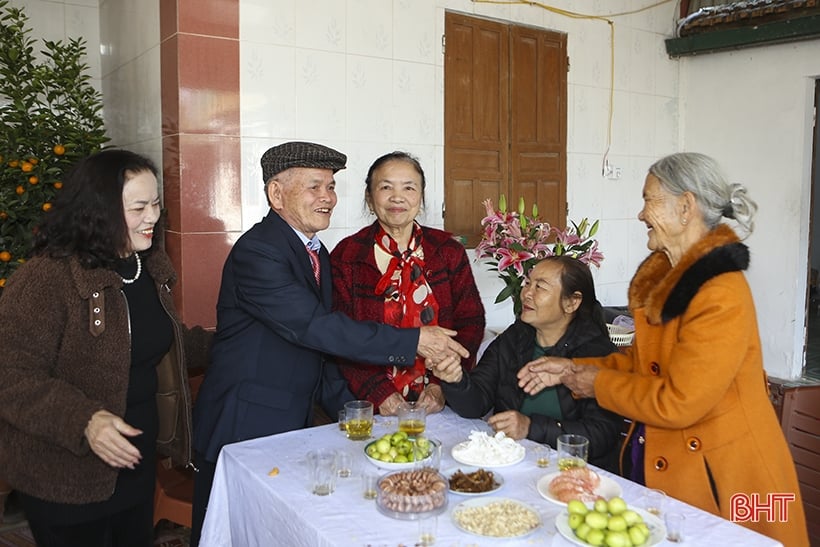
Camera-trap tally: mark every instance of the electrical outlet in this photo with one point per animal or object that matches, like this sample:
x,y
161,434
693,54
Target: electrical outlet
x,y
611,172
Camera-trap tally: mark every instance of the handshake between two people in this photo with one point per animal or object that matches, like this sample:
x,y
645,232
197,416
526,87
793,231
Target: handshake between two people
x,y
533,377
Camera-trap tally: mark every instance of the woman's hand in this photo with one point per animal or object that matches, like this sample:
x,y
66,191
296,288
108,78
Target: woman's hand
x,y
432,398
390,405
542,373
447,369
582,381
512,423
107,436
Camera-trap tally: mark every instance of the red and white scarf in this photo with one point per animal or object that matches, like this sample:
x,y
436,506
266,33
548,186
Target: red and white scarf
x,y
408,301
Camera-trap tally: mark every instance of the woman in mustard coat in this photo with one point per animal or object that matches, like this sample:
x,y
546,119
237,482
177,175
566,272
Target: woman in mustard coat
x,y
693,382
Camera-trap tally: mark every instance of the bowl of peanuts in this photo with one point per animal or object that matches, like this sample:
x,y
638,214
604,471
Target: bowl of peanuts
x,y
412,494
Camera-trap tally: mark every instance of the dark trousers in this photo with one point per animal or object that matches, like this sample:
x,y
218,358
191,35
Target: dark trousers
x,y
203,480
132,527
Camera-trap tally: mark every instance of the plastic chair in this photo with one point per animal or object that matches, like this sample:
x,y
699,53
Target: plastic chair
x,y
174,493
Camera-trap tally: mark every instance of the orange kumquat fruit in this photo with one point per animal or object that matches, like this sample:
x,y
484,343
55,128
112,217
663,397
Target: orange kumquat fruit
x,y
20,190
26,167
33,179
46,207
59,149
5,256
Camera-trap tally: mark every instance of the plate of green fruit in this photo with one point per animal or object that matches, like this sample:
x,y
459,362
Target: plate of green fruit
x,y
397,451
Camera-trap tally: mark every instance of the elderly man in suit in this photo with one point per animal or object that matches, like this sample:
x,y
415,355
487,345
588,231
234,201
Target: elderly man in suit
x,y
275,326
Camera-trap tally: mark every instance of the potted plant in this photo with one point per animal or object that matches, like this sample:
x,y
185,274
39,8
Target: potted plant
x,y
49,118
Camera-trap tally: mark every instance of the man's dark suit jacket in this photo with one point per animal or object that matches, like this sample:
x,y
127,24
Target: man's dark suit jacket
x,y
274,327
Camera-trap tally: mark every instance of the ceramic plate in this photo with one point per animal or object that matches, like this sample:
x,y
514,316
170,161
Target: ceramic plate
x,y
390,466
457,453
657,530
487,520
607,489
499,480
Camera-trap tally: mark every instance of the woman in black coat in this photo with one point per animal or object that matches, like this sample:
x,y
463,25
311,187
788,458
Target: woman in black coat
x,y
560,317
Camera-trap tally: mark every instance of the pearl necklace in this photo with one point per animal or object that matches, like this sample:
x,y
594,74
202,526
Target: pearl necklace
x,y
137,275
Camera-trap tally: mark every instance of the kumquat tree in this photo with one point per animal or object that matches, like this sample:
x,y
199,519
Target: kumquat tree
x,y
49,118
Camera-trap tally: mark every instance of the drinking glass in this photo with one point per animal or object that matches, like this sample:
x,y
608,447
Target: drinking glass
x,y
344,463
653,501
674,527
541,455
358,420
322,471
412,418
370,481
427,530
427,453
572,451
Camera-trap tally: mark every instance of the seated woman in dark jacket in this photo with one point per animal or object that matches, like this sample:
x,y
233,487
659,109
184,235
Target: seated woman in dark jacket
x,y
560,317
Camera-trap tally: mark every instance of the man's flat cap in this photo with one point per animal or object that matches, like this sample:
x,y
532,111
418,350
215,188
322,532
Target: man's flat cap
x,y
300,154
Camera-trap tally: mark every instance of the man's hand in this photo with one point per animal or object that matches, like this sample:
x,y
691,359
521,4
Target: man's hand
x,y
436,343
542,373
432,399
447,369
512,423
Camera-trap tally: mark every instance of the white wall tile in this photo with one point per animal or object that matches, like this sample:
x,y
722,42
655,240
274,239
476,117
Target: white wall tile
x,y
321,24
590,112
268,92
414,103
589,54
321,105
642,62
415,36
84,22
369,105
268,21
371,34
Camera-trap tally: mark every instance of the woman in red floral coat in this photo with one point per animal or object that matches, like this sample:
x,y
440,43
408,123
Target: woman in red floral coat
x,y
398,272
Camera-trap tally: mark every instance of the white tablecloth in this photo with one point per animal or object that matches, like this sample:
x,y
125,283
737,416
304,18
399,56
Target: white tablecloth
x,y
250,508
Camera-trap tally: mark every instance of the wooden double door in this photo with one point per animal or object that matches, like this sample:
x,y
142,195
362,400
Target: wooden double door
x,y
505,114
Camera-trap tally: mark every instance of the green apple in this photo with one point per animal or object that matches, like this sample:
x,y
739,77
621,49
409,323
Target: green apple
x,y
577,507
583,531
595,537
616,505
618,539
637,536
596,520
575,520
631,517
382,446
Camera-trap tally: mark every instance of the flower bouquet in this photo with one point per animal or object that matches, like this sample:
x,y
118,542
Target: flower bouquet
x,y
514,243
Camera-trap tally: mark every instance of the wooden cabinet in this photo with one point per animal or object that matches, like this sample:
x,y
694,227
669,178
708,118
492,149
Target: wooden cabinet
x,y
798,407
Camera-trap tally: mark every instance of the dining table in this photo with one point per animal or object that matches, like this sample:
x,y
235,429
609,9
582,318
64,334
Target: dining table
x,y
262,496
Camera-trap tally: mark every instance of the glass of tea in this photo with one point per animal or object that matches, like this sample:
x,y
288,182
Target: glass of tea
x,y
412,418
358,420
572,451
